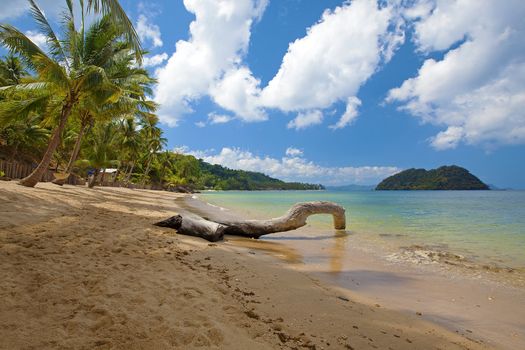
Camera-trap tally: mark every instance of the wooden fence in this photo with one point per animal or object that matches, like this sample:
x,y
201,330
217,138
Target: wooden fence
x,y
16,170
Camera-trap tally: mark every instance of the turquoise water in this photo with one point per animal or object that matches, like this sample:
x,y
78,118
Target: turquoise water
x,y
486,227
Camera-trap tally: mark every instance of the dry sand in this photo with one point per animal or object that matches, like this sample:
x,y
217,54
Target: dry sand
x,y
84,269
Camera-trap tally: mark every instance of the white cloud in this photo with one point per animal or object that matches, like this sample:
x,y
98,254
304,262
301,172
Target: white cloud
x,y
293,152
12,9
238,91
447,139
293,168
477,90
338,55
219,38
305,120
215,118
38,38
148,31
155,60
200,124
328,65
349,115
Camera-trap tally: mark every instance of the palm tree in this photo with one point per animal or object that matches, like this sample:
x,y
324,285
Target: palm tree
x,y
65,76
25,134
117,15
153,140
103,48
12,70
102,151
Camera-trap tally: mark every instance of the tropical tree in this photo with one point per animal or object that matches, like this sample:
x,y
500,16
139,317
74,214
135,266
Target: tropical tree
x,y
103,48
153,140
102,152
12,70
24,135
65,76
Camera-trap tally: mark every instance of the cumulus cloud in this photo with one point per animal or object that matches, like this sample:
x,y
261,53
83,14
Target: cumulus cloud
x,y
293,152
349,115
12,9
477,90
238,91
293,167
305,120
38,38
336,57
219,38
328,65
155,60
215,118
148,32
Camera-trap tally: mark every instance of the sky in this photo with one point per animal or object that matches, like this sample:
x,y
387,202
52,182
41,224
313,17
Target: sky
x,y
335,92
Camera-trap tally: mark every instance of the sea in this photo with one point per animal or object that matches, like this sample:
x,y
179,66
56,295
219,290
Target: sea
x,y
471,229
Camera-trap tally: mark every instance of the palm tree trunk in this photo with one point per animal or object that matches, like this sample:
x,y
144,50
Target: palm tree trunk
x,y
74,155
32,179
128,177
92,182
102,177
146,172
76,149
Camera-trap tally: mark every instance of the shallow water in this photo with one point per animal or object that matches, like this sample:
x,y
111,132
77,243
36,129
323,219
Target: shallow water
x,y
485,228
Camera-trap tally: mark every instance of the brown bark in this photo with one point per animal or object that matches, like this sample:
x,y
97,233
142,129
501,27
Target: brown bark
x,y
36,175
295,218
128,177
146,172
74,155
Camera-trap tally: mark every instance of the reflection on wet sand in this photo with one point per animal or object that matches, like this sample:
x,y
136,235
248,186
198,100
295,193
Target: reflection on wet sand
x,y
282,251
337,252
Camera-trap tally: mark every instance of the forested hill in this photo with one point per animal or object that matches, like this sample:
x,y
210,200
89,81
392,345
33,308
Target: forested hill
x,y
444,178
221,178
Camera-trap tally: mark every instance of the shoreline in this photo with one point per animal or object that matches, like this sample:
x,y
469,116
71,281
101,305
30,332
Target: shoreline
x,y
475,303
85,268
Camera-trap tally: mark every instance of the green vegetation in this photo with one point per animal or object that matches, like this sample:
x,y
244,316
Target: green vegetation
x,y
221,178
444,178
82,105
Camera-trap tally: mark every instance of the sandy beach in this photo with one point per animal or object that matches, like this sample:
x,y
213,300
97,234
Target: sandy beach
x,y
84,269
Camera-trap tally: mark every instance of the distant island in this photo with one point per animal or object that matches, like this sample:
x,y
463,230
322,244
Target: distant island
x,y
214,176
443,178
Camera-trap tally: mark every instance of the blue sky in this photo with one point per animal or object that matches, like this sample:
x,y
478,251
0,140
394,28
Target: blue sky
x,y
336,92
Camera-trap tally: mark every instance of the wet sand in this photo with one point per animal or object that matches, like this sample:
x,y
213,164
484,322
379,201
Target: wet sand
x,y
477,303
85,269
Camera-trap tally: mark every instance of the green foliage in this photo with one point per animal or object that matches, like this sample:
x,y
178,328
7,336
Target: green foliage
x,y
221,178
2,174
444,178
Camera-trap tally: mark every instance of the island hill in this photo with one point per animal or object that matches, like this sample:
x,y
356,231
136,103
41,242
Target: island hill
x,y
214,176
443,178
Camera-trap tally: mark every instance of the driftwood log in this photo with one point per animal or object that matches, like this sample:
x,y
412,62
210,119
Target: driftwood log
x,y
215,230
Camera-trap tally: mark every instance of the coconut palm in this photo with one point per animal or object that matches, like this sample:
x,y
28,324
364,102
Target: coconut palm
x,y
72,71
102,152
152,138
26,135
12,70
103,48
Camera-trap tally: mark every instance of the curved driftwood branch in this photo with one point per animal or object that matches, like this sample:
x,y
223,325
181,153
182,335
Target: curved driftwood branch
x,y
295,218
195,226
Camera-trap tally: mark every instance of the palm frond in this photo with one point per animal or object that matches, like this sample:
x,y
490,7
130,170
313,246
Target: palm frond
x,y
13,110
119,16
55,47
30,53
